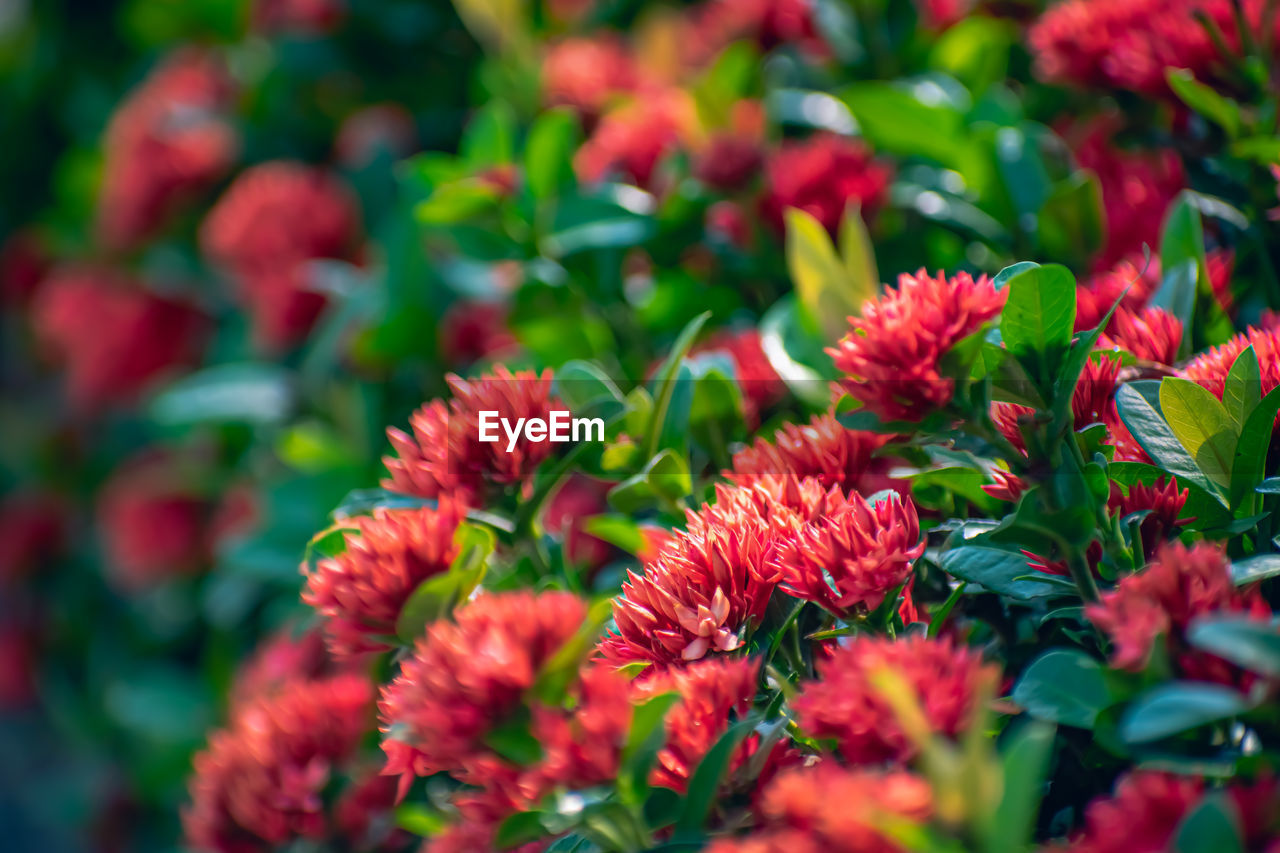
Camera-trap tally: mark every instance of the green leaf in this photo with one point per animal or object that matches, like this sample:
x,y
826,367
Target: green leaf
x,y
1248,643
996,570
975,51
706,780
1248,467
1177,706
1204,100
1253,569
1177,295
562,667
1243,389
821,280
894,120
1002,277
787,344
513,740
1071,220
644,741
419,819
859,256
1182,240
1025,761
548,152
328,543
1139,408
1202,425
1064,686
665,379
588,391
1212,826
228,393
1203,506
668,475
517,829
1038,319
489,139
436,597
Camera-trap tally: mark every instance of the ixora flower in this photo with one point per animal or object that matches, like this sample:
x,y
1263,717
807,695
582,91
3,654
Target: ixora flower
x,y
467,677
263,781
849,560
1148,807
704,590
169,141
892,355
631,140
1152,334
824,449
297,17
712,692
116,338
444,453
1163,502
715,24
847,704
257,233
799,811
822,176
587,73
1162,600
361,591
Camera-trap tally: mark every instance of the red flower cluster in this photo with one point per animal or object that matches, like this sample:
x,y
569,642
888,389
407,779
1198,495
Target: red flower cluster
x,y
466,677
849,560
24,262
1152,334
445,455
286,657
1163,599
115,338
892,354
169,141
1162,500
33,528
1147,809
731,157
823,449
631,141
361,592
297,17
822,176
269,223
828,809
1100,43
845,704
587,73
262,781
713,25
471,331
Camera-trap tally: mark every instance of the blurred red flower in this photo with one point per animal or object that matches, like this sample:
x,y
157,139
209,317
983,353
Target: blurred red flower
x,y
167,142
287,657
24,261
379,129
715,24
854,556
1152,334
297,17
730,159
1162,600
258,232
948,681
586,73
941,14
444,453
263,781
892,355
822,175
471,331
33,530
360,592
631,140
579,498
115,338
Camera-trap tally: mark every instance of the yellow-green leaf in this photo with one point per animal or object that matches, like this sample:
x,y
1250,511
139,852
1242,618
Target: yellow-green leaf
x,y
821,281
859,258
1201,424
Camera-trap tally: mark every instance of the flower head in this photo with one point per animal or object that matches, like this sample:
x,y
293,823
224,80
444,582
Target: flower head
x,y
714,24
846,704
892,355
297,17
632,140
1162,599
466,677
587,73
361,591
285,658
712,692
379,129
115,338
1163,502
444,453
822,176
1152,334
169,141
262,781
849,560
823,449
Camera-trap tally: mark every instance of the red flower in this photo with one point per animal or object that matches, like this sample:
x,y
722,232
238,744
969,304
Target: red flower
x,y
361,592
385,130
1162,500
760,383
1210,368
583,747
1147,809
824,449
567,511
169,141
153,522
445,454
715,24
849,560
893,352
941,14
1137,188
258,232
822,175
262,782
297,17
466,677
587,73
114,337
1162,599
1100,43
1152,334
711,691
471,331
703,591
831,809
731,157
948,682
631,141
18,654
1007,487
1132,280
24,261
285,658
33,529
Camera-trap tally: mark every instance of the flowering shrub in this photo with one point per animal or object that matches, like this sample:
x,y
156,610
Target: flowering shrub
x,y
934,355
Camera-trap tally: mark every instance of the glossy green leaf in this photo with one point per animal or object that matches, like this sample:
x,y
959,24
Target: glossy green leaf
x,y
548,154
1254,569
249,393
822,282
1024,762
1251,644
436,597
1139,408
706,780
1219,109
1248,467
1243,388
665,379
1064,686
995,570
1212,826
1202,425
1038,319
1178,706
